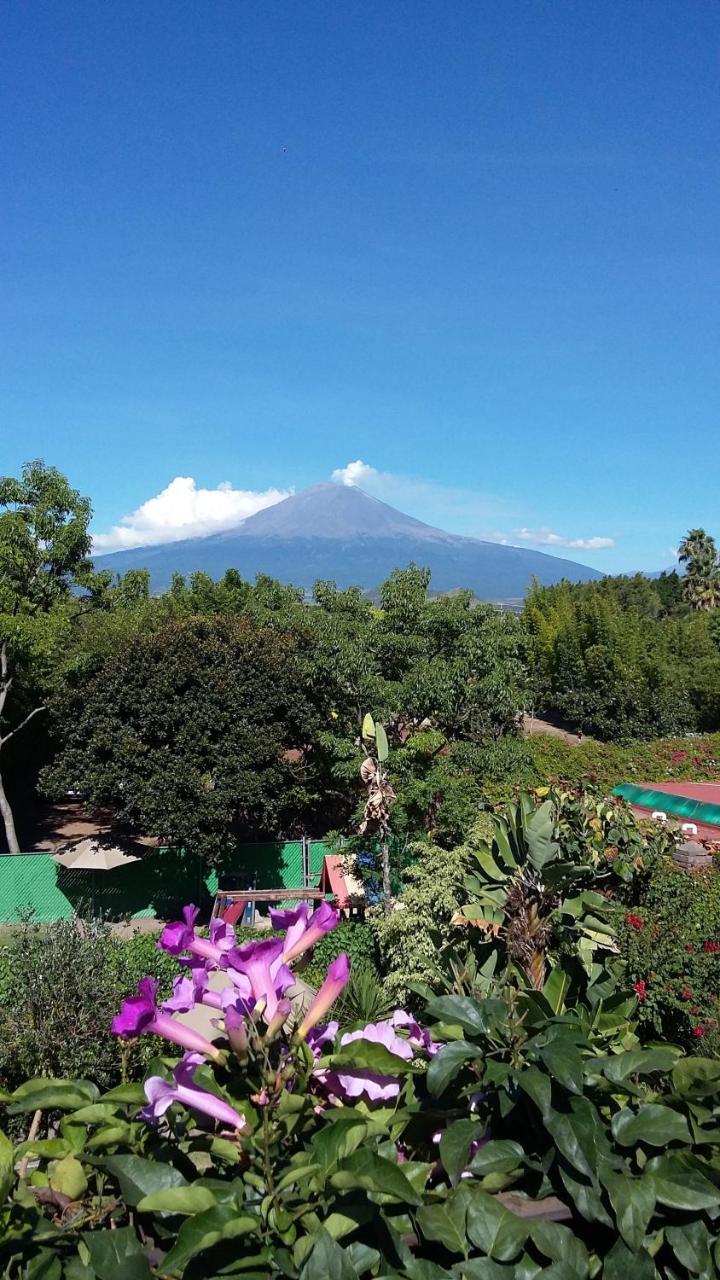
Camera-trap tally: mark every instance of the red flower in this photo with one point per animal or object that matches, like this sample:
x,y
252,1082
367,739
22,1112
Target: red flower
x,y
711,947
635,922
686,994
698,1032
639,989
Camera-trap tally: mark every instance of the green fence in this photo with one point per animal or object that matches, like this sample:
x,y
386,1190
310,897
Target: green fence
x,y
158,885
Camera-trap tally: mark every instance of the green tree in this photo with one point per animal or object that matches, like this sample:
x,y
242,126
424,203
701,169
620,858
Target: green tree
x,y
44,546
698,553
190,732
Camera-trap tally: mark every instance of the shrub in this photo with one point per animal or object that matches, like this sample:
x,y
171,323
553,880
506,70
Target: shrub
x,y
355,938
672,946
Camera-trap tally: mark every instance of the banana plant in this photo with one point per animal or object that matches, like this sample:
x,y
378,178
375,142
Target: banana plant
x,y
527,895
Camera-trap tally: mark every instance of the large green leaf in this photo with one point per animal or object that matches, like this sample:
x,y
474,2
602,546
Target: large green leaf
x,y
183,1200
68,1177
116,1253
537,1086
336,1141
619,1067
45,1265
328,1258
696,1077
651,1123
446,1064
372,1172
7,1164
368,726
500,1155
681,1184
494,1229
538,824
574,1138
381,743
633,1202
691,1246
367,1055
455,1145
224,1222
556,988
623,1264
445,1222
139,1177
564,1064
476,1017
52,1095
560,1244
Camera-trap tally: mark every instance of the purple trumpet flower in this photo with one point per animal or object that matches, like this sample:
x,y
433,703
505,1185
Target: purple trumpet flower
x,y
140,1013
161,1095
322,921
337,979
222,935
266,977
419,1037
180,936
355,1082
191,989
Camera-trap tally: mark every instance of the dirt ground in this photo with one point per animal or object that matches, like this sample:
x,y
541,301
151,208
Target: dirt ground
x,y
47,828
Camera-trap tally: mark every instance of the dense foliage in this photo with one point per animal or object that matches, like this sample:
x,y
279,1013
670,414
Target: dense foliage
x,y
619,658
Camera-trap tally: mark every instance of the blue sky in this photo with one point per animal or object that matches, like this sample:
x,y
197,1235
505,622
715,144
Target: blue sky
x,y
473,246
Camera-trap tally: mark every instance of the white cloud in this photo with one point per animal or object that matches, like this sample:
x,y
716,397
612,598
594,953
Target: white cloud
x,y
546,538
356,473
183,510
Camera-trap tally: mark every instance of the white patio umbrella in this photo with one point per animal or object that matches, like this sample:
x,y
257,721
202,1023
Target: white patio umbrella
x,y
90,855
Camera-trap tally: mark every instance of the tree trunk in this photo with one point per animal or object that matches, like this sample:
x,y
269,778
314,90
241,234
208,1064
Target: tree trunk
x,y
385,859
8,820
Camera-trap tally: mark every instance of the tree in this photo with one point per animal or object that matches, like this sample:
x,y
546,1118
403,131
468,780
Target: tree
x,y
44,545
702,577
190,732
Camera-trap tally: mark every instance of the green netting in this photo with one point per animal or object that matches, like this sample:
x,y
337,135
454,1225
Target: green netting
x,y
158,885
679,806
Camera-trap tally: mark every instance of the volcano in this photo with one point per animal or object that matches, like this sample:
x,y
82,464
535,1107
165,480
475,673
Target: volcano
x,y
338,532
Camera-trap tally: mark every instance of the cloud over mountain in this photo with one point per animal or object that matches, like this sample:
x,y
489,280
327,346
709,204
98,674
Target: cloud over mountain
x,y
182,510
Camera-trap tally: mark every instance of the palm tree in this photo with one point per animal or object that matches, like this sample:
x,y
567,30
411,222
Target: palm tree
x,y
702,577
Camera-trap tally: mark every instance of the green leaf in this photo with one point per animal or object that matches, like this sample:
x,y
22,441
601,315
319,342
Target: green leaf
x,y
139,1177
7,1167
696,1077
494,1229
374,1173
224,1222
474,1016
328,1258
633,1202
95,1113
44,1266
116,1253
455,1145
446,1064
338,1140
381,743
537,1086
574,1139
52,1095
691,1246
564,1064
621,1264
560,1244
367,1055
500,1155
652,1123
77,1270
184,1200
637,1062
362,1257
368,726
445,1222
129,1094
556,988
681,1184
68,1177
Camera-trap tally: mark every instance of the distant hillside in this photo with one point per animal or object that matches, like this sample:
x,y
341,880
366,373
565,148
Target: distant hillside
x,y
339,532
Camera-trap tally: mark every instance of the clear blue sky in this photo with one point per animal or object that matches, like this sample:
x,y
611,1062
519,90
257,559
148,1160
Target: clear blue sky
x,y
474,244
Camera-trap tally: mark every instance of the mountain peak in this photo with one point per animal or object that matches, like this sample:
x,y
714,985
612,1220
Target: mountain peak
x,y
334,511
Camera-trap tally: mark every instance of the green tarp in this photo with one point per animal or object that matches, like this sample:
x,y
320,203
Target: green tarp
x,y
680,807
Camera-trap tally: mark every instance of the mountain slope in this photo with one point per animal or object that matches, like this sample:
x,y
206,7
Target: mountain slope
x,y
337,531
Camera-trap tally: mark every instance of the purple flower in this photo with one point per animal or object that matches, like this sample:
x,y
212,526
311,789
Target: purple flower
x,y
337,979
260,963
180,936
321,922
191,989
236,1031
222,935
354,1082
419,1037
140,1014
161,1095
320,1038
